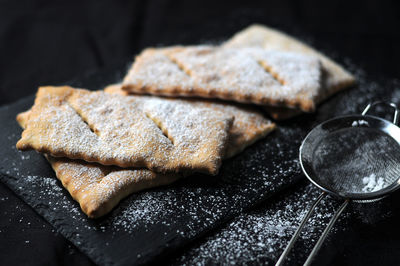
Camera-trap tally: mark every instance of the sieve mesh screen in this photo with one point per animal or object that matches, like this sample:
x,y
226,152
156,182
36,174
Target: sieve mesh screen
x,y
356,160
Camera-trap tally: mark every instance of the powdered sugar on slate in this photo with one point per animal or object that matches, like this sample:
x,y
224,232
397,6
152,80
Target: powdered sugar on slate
x,y
260,236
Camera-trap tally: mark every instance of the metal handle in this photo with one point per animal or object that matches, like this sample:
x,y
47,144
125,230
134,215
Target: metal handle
x,y
301,226
396,110
325,233
299,229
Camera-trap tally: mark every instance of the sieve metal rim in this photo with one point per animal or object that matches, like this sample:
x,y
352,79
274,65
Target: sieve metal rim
x,y
307,169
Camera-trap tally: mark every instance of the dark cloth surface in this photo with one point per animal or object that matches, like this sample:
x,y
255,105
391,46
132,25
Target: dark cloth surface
x,y
52,42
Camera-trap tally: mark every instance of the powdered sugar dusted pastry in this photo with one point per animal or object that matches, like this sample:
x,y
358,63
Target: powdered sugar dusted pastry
x,y
249,75
99,188
334,78
249,125
118,130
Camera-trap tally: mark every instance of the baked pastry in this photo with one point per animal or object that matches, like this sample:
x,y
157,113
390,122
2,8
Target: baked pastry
x,y
99,188
249,125
111,129
334,76
247,75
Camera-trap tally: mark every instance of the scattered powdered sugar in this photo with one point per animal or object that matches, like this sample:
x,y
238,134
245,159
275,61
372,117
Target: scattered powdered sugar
x,y
372,183
25,157
261,235
147,209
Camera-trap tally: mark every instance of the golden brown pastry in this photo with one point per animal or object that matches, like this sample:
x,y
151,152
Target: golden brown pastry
x,y
247,75
334,76
112,129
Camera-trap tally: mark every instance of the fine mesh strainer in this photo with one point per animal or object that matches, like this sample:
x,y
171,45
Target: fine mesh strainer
x,y
355,157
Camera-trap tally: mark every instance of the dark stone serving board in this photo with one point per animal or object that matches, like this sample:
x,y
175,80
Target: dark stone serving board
x,y
151,224
366,233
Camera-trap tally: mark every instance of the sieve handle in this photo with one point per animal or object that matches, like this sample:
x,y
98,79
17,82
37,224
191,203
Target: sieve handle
x,y
298,231
326,232
321,240
396,110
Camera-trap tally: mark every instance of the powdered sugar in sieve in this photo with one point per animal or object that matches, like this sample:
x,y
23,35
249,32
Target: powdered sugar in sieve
x,y
357,160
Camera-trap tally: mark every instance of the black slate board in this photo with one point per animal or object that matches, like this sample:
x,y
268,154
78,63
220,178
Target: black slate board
x,y
150,223
365,234
155,222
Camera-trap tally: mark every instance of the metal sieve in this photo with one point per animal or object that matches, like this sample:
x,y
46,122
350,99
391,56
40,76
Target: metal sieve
x,y
354,157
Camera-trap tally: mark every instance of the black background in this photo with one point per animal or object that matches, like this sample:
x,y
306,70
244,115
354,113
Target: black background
x,y
52,42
